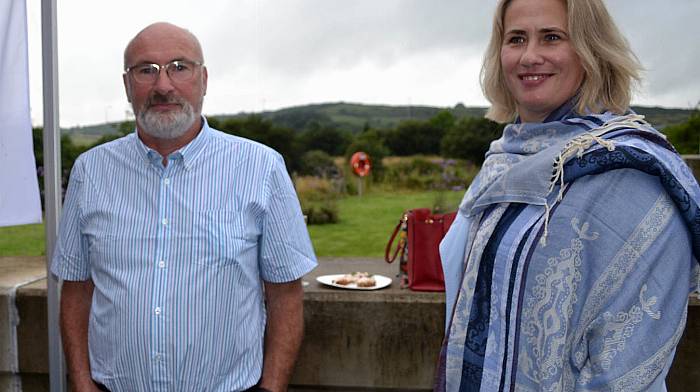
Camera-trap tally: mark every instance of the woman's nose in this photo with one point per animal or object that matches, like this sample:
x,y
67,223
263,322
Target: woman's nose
x,y
532,55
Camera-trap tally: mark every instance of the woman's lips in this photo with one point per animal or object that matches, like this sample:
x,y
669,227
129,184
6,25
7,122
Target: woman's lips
x,y
531,80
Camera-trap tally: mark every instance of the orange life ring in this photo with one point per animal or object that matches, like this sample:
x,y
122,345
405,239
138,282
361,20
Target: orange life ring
x,y
360,163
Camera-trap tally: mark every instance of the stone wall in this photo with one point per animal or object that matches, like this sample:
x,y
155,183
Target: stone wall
x,y
386,340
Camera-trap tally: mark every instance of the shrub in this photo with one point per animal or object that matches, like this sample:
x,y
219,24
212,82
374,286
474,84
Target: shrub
x,y
321,213
429,174
418,173
440,205
685,137
319,164
318,199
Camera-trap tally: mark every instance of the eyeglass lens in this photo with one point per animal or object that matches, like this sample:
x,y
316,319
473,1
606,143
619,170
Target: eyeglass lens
x,y
178,71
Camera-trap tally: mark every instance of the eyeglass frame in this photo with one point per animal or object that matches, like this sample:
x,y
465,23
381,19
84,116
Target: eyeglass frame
x,y
165,66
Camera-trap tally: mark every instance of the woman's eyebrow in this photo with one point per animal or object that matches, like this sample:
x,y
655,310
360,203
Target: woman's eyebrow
x,y
516,31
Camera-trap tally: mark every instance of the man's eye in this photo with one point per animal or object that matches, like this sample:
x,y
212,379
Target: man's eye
x,y
147,70
180,67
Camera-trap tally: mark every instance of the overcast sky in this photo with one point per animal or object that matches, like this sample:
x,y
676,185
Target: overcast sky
x,y
266,55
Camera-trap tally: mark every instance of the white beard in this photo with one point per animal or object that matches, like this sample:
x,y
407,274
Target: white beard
x,y
169,125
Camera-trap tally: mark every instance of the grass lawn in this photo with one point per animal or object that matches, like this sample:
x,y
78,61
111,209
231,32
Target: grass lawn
x,y
364,228
25,240
367,222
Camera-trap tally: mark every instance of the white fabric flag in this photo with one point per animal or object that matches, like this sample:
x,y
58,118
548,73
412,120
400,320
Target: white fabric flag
x,y
19,189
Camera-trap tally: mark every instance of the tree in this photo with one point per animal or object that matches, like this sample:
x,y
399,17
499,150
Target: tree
x,y
686,136
301,119
69,153
328,139
470,139
413,137
420,137
443,120
371,143
254,127
124,128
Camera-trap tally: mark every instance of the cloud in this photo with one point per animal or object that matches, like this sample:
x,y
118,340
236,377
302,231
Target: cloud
x,y
298,37
666,43
271,53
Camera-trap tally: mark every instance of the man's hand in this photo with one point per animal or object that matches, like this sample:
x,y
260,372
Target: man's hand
x,y
283,334
76,298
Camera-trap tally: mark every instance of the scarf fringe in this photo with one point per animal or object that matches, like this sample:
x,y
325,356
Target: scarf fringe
x,y
577,146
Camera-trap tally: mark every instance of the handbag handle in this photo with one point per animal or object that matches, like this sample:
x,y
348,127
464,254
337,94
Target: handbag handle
x,y
400,245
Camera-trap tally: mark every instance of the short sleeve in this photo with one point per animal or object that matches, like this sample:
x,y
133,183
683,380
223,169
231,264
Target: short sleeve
x,y
70,261
286,253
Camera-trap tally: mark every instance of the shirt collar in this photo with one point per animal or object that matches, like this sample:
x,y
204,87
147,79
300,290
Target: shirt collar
x,y
188,153
192,150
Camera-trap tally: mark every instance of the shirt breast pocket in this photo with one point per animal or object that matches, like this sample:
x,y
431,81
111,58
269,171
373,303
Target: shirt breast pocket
x,y
224,240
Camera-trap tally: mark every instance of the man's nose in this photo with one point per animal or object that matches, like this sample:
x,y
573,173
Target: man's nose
x,y
163,84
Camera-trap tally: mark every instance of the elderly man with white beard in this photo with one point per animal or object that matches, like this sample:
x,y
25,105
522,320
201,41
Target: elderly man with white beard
x,y
181,248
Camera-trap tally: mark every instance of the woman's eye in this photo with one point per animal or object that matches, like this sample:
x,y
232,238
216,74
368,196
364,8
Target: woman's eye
x,y
552,37
515,40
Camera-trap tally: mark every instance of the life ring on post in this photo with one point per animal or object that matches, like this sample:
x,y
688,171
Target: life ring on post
x,y
360,163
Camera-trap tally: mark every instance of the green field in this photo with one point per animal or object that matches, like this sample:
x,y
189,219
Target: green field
x,y
364,228
25,240
367,222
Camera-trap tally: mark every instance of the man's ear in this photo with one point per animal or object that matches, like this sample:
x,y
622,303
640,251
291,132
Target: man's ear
x,y
205,77
127,87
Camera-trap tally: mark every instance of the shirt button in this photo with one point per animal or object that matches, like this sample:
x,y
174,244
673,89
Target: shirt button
x,y
165,221
157,310
158,357
161,264
166,181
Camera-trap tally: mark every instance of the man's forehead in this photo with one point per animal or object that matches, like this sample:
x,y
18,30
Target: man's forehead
x,y
163,43
162,51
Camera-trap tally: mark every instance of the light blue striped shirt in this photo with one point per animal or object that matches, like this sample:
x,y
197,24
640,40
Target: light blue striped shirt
x,y
178,254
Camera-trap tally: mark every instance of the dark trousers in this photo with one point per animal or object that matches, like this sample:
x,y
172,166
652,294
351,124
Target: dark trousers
x,y
101,387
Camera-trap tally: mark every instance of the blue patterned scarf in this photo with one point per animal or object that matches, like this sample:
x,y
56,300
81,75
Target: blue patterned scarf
x,y
533,164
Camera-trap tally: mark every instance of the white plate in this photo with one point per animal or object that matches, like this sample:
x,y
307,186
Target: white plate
x,y
382,281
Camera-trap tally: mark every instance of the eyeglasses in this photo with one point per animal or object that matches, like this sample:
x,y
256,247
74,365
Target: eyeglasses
x,y
178,71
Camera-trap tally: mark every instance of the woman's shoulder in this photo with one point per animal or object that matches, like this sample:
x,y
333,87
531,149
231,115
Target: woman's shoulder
x,y
620,221
626,207
620,197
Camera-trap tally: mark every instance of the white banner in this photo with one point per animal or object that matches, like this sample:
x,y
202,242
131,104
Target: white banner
x,y
19,189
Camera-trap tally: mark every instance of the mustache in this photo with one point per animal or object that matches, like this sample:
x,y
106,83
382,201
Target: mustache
x,y
157,99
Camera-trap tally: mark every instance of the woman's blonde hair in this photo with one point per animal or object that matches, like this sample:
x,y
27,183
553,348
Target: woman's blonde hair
x,y
611,69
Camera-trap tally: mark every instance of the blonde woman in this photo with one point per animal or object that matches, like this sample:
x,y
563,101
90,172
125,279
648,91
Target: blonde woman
x,y
572,256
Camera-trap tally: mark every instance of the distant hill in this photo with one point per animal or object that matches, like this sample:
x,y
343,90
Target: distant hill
x,y
354,117
663,117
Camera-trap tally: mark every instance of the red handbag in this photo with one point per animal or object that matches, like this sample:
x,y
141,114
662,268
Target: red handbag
x,y
420,233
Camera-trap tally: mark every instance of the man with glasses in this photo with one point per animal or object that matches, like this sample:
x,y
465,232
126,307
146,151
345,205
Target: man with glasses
x,y
181,248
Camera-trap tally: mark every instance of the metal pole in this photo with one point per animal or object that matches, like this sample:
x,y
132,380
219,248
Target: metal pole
x,y
52,186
